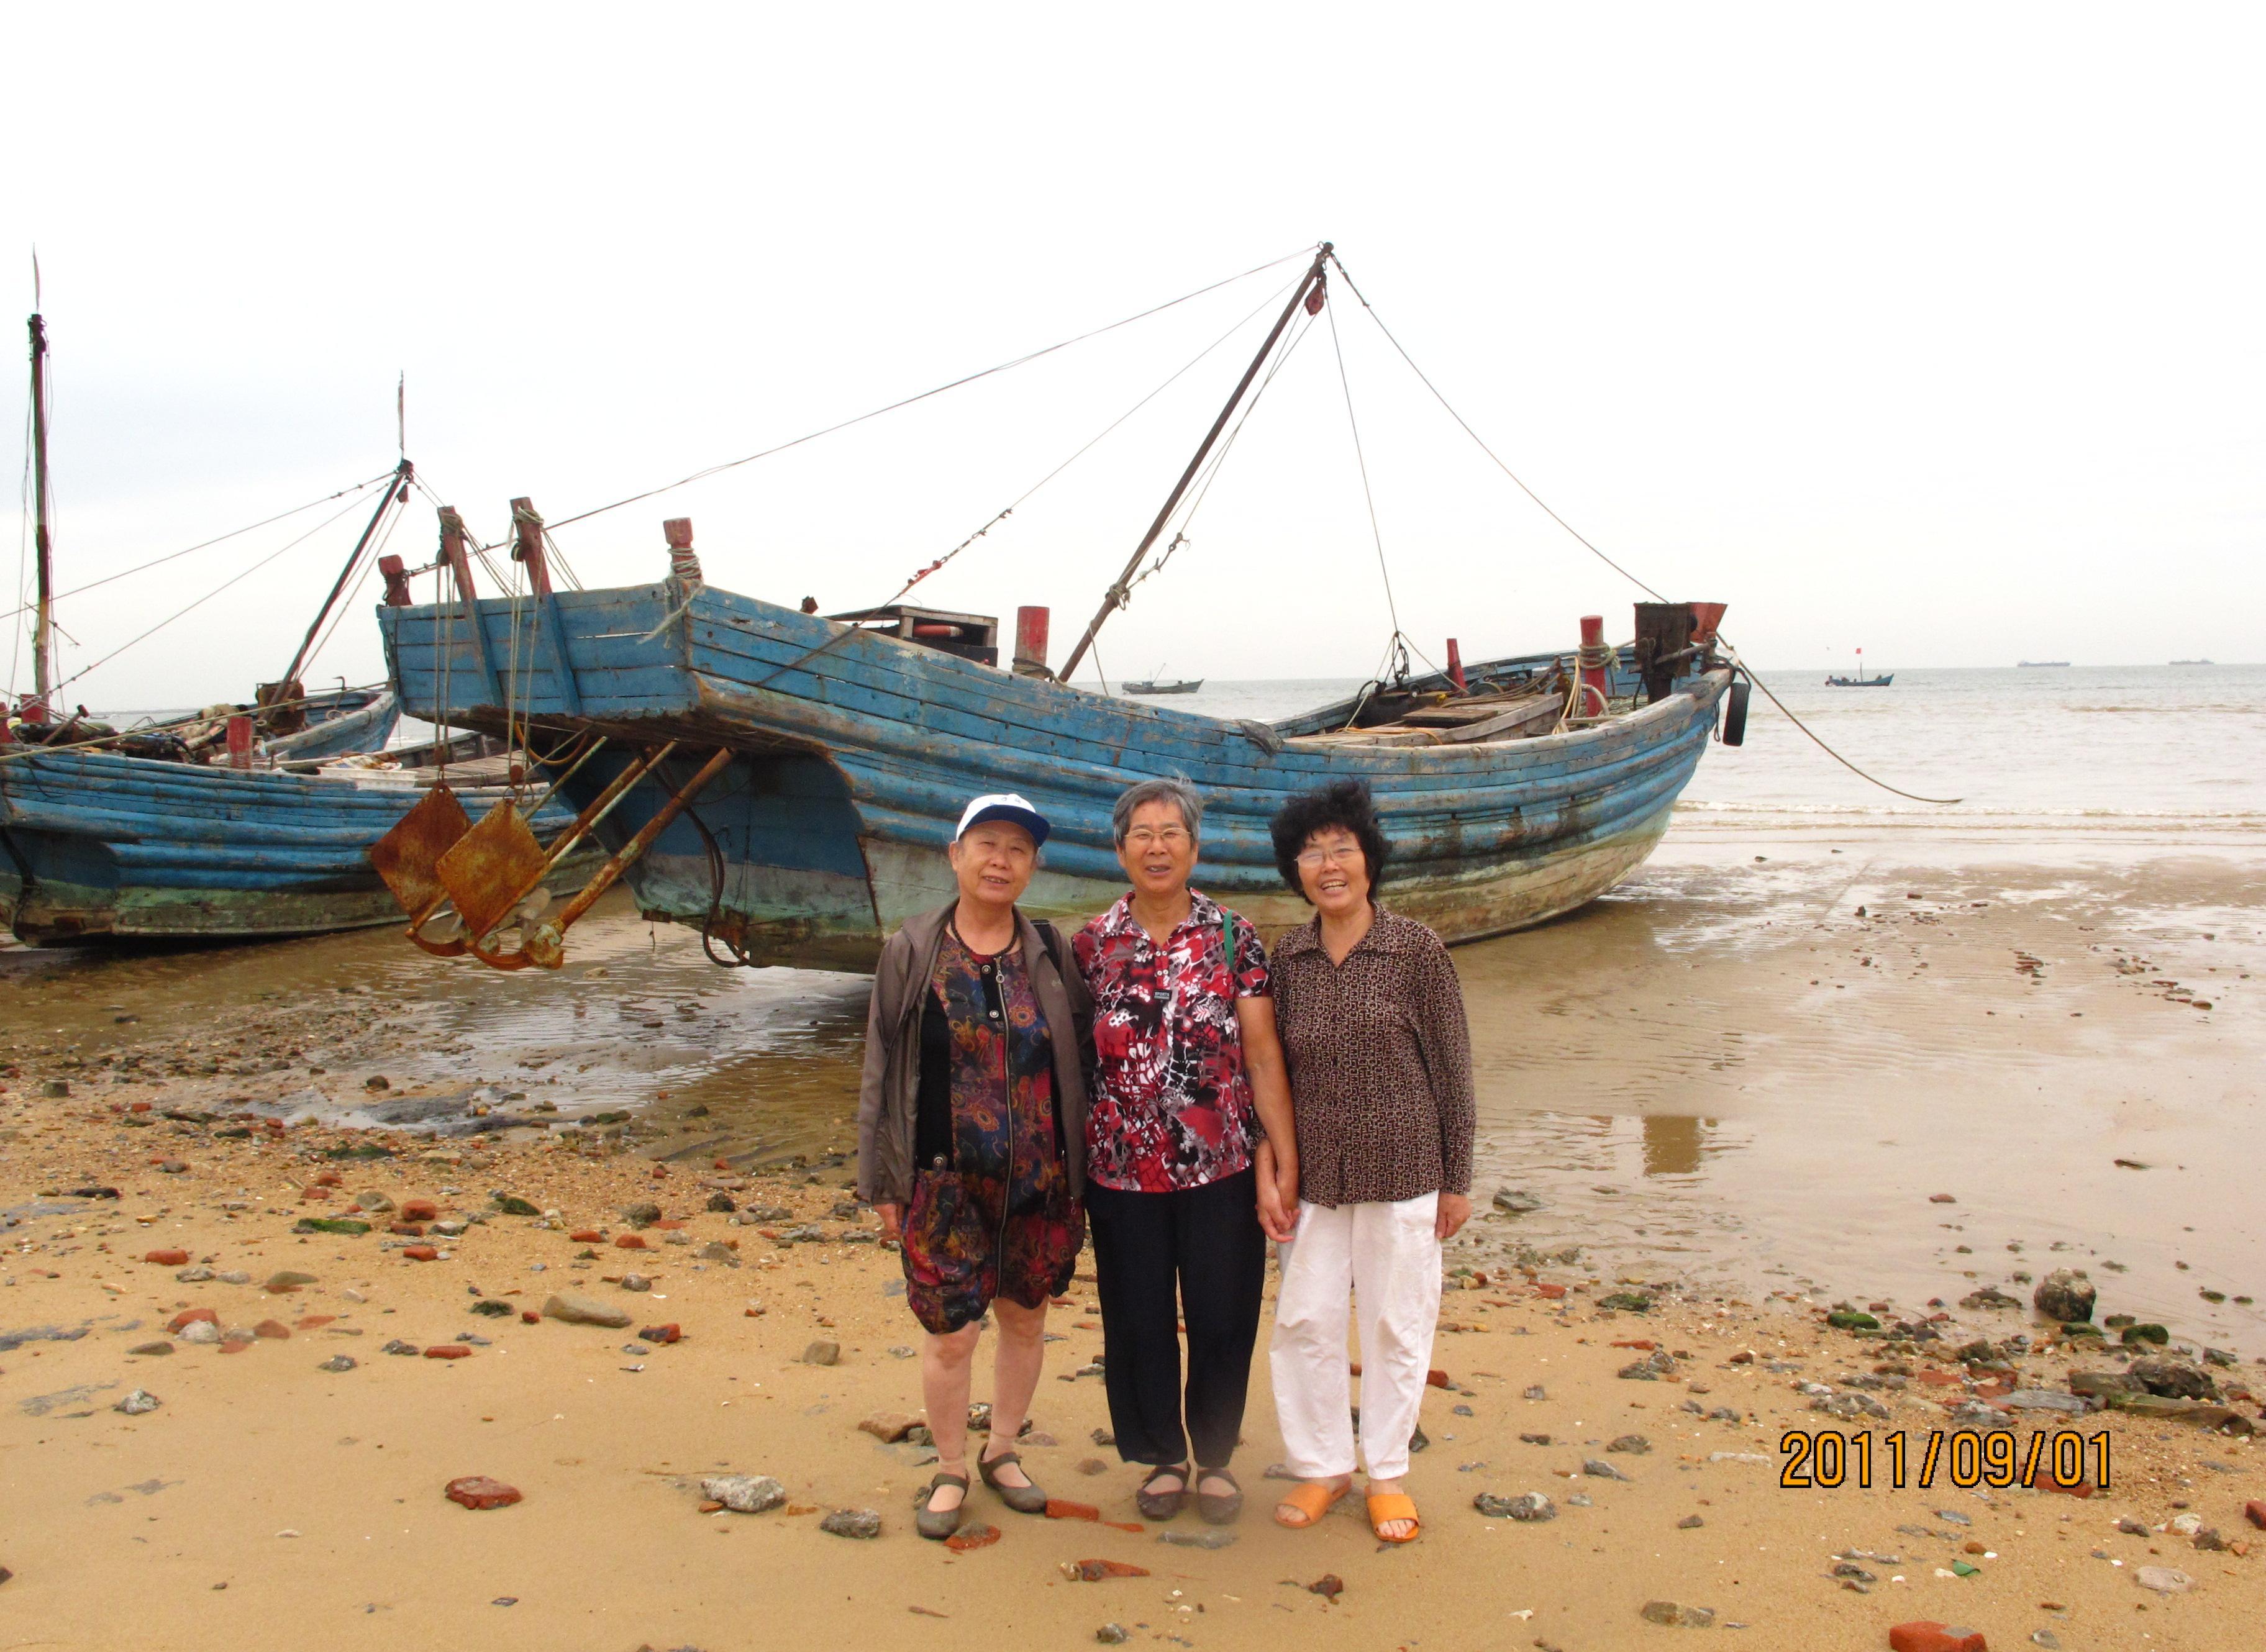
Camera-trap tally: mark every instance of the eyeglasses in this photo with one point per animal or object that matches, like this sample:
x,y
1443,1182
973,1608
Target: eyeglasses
x,y
1342,855
1171,837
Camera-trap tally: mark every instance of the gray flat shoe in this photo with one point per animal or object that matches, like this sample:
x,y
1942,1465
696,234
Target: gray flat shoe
x,y
1219,1509
940,1524
1021,1499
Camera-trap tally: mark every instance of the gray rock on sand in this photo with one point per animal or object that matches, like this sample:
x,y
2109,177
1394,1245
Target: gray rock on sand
x,y
2174,1378
576,1309
643,1214
1516,1201
1635,1444
746,1493
1112,1634
141,1402
1668,1612
338,1363
376,1203
1598,1468
1528,1505
2065,1295
853,1523
152,1349
201,1331
196,1275
823,1353
2165,1580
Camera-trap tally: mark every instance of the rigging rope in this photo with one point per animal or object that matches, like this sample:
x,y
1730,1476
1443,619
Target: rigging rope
x,y
908,401
234,533
1586,545
1361,460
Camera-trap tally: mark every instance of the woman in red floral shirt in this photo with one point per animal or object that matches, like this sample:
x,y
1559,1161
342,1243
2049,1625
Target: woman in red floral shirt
x,y
1189,1075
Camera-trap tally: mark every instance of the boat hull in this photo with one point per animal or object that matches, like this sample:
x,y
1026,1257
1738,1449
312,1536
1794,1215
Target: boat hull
x,y
98,845
852,755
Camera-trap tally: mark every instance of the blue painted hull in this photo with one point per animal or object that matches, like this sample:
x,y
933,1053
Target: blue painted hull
x,y
94,844
851,766
350,731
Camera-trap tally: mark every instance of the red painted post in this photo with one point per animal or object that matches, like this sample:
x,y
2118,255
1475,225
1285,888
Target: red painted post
x,y
396,573
1031,625
239,740
1456,667
1594,658
527,544
683,562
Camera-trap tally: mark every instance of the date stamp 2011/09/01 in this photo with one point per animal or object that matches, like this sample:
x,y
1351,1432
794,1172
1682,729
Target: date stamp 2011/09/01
x,y
1830,1459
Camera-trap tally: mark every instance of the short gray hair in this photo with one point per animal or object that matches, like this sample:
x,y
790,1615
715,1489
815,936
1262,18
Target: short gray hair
x,y
1179,794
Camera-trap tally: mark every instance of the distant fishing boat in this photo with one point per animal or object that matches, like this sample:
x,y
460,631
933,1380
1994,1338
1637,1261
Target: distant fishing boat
x,y
2192,662
785,783
1166,685
1860,680
2041,665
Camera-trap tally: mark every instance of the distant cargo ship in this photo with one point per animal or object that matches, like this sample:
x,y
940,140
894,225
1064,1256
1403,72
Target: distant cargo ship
x,y
2033,665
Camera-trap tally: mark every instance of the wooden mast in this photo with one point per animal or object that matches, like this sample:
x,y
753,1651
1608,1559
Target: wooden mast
x,y
1116,594
43,613
396,492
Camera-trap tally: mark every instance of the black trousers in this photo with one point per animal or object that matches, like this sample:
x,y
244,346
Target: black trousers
x,y
1198,1255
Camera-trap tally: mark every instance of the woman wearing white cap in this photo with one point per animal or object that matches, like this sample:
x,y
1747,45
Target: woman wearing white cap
x,y
971,1140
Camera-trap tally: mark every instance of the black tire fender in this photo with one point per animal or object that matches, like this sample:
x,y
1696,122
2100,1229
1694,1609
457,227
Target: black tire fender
x,y
1734,714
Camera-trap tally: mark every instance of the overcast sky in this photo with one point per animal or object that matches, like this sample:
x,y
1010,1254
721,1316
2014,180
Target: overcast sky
x,y
1934,330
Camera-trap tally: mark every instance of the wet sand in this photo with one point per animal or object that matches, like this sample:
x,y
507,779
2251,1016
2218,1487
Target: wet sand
x,y
1725,1087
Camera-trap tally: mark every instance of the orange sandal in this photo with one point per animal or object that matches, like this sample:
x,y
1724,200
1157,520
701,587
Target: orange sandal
x,y
1311,1498
1385,1507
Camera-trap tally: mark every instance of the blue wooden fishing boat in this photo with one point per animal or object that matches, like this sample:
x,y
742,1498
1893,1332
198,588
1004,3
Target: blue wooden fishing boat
x,y
848,757
94,845
786,782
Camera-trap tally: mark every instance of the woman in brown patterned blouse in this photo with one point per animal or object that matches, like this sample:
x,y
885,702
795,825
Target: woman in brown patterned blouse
x,y
1373,1025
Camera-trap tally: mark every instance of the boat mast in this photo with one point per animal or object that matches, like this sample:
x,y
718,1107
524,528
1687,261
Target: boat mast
x,y
396,492
43,612
1116,598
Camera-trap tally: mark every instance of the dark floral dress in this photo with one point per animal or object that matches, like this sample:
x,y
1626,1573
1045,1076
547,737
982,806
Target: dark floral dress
x,y
997,1220
1171,1107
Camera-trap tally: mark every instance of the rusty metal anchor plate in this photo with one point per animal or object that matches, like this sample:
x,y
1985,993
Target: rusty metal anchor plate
x,y
406,856
491,866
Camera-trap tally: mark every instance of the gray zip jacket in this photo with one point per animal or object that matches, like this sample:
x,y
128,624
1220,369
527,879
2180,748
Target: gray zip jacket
x,y
888,1097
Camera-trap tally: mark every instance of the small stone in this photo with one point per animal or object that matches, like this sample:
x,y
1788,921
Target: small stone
x,y
662,1335
1109,1633
1635,1444
274,1330
1092,1465
744,1494
580,1310
1689,1522
2174,1378
2134,1334
401,1346
636,1281
1667,1611
2164,1580
200,1331
376,1203
1598,1468
889,1427
167,1259
1329,1586
1926,1635
141,1402
1528,1506
196,1275
449,1350
1516,1201
419,1211
420,1253
643,1214
152,1349
2065,1295
1534,1392
338,1363
2255,1511
823,1353
853,1523
287,1280
478,1491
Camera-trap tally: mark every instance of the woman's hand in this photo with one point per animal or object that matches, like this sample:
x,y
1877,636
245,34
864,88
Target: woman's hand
x,y
1455,1210
1278,1193
893,1221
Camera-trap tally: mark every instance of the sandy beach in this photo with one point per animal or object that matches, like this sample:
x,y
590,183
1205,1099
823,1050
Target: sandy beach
x,y
1724,1093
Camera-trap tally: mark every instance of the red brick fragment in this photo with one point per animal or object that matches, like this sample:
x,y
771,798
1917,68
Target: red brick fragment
x,y
669,1333
1927,1635
1094,1571
449,1350
723,1164
478,1491
328,1178
586,1235
168,1259
669,1225
1638,1342
188,1317
274,1330
1550,1292
419,1211
630,1242
529,1315
408,1230
1057,1509
975,1536
1437,1379
234,1347
315,1321
2256,1513
139,1107
421,1253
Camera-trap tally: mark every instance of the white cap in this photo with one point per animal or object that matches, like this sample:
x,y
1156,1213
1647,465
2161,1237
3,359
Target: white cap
x,y
1003,805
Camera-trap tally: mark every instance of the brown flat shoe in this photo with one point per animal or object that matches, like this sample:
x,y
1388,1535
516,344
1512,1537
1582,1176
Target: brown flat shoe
x,y
1162,1505
1221,1508
1021,1499
938,1524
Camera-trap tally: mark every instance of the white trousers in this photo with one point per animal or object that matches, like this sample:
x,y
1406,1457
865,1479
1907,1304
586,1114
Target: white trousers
x,y
1383,1260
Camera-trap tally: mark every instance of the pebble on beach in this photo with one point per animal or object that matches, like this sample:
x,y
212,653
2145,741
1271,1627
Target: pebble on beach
x,y
852,1523
478,1491
744,1494
575,1309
